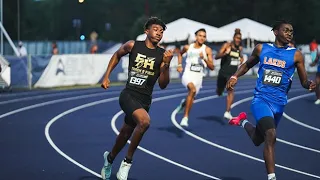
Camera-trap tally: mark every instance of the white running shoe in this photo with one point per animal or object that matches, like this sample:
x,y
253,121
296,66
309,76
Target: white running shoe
x,y
317,102
184,122
107,167
227,115
123,170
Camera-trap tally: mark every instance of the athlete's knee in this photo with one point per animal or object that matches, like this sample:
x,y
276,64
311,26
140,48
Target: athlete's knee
x,y
267,128
142,119
192,90
270,136
230,91
144,123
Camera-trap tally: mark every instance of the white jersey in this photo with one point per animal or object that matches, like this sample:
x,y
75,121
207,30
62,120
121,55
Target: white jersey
x,y
194,64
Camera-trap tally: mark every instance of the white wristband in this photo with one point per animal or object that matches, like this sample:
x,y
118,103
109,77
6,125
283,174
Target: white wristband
x,y
234,77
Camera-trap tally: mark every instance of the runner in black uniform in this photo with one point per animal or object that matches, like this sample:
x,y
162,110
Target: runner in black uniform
x,y
231,58
147,63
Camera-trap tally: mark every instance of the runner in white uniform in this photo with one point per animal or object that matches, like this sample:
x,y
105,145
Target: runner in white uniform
x,y
199,56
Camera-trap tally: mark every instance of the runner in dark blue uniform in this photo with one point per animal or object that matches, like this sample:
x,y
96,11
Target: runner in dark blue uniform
x,y
277,65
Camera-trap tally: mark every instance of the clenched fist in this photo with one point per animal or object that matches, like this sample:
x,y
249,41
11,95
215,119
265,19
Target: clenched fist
x,y
167,56
231,83
105,84
312,86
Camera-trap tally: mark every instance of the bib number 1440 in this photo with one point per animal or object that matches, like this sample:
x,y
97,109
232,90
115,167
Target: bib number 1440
x,y
272,79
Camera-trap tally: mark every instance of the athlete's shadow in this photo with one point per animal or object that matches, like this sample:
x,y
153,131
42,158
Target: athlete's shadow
x,y
310,100
218,119
174,130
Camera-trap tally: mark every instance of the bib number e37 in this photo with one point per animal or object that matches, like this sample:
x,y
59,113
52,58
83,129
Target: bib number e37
x,y
196,67
235,62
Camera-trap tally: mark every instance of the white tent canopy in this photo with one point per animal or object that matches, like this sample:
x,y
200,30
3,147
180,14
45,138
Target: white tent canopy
x,y
251,30
183,29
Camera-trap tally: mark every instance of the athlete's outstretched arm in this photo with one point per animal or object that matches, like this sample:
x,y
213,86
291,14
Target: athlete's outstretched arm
x,y
209,61
224,50
164,78
299,63
122,51
184,49
244,68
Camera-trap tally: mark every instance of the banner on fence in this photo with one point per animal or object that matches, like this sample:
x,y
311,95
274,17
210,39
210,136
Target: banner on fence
x,y
5,77
69,70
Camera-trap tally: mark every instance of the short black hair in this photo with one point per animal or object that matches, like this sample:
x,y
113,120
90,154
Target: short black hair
x,y
154,20
202,29
278,23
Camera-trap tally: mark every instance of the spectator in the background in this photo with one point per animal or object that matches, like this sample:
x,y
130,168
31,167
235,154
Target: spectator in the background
x,y
55,50
94,49
22,50
313,49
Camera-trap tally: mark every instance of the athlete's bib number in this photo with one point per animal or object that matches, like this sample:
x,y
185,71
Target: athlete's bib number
x,y
137,80
234,61
196,67
272,77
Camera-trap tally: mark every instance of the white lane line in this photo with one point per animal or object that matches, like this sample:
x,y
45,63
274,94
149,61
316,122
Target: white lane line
x,y
296,121
174,121
278,139
47,134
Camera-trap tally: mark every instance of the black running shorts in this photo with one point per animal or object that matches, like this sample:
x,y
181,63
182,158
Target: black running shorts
x,y
130,101
222,82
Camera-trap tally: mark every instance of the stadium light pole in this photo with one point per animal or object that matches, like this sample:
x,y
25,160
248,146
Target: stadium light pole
x,y
1,19
18,4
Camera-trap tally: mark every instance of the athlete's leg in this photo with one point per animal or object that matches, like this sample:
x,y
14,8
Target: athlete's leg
x,y
125,133
189,101
252,131
265,131
221,84
230,98
128,105
267,127
142,120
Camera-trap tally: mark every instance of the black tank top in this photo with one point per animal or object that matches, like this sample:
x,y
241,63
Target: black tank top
x,y
144,68
230,62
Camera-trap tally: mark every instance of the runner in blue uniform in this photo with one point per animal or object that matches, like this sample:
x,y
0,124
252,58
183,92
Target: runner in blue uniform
x,y
277,65
314,63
